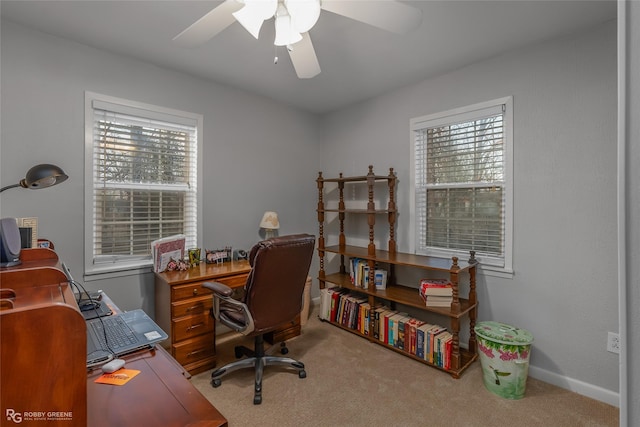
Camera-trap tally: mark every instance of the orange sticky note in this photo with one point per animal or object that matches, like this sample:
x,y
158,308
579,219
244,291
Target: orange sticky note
x,y
119,377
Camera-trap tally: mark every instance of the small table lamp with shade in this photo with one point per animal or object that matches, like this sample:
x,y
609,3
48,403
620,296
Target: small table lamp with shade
x,y
270,224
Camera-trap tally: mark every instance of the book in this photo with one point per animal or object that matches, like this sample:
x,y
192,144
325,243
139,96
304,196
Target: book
x,y
421,339
326,295
336,294
433,333
384,324
403,329
413,325
435,283
324,298
445,350
365,323
376,321
359,272
437,287
393,326
165,249
438,301
388,324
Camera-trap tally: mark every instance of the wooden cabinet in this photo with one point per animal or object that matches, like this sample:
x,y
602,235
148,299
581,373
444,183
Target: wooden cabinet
x,y
44,347
395,293
183,310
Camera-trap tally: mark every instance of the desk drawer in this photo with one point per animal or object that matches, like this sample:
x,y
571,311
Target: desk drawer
x,y
194,350
195,289
190,290
192,307
234,281
284,332
183,328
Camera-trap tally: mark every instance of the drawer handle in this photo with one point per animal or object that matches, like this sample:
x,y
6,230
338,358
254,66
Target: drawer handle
x,y
196,307
195,326
195,291
193,353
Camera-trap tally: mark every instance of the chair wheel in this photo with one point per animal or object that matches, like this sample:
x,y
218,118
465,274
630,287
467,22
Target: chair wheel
x,y
284,350
302,374
216,382
257,400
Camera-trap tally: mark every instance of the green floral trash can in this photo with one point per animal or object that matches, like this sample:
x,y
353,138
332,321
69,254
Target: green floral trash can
x,y
504,356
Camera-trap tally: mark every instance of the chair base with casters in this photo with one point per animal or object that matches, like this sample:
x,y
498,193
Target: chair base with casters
x,y
273,297
257,360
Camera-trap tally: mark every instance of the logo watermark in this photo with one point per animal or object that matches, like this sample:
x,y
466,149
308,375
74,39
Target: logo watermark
x,y
18,417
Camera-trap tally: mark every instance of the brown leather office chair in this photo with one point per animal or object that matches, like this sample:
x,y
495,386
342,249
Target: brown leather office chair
x,y
273,296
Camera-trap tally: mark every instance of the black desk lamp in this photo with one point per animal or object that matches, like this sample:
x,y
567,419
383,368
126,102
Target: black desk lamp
x,y
40,176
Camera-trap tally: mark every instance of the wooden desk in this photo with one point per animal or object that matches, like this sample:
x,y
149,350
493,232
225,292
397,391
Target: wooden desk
x,y
46,317
183,307
159,396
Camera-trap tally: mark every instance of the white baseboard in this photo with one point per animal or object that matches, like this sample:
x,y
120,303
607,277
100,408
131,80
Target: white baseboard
x,y
576,386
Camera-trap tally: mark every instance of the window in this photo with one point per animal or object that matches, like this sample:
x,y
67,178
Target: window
x,y
462,181
141,180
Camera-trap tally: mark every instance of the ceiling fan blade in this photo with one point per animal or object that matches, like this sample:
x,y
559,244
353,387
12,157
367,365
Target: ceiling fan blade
x,y
209,25
388,15
304,59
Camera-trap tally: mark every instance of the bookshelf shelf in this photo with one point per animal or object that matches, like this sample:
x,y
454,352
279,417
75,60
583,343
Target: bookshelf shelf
x,y
394,293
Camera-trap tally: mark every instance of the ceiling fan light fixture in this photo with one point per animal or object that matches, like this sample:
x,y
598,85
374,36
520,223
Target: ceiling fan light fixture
x,y
286,33
254,13
304,13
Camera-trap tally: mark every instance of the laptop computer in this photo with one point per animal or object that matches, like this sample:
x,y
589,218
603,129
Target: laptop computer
x,y
120,334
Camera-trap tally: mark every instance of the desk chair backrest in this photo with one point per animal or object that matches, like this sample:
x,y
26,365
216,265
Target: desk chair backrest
x,y
275,286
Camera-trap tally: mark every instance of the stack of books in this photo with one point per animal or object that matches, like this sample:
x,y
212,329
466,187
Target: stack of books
x,y
359,274
430,342
436,292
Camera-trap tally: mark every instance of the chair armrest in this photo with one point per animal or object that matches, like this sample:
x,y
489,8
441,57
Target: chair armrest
x,y
218,288
224,305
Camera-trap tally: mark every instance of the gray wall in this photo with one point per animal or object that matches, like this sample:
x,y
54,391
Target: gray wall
x,y
256,152
564,289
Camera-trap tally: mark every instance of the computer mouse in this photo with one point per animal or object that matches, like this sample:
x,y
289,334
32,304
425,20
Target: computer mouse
x,y
112,366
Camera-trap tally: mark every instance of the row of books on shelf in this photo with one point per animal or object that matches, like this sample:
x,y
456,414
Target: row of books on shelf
x,y
430,342
359,270
436,292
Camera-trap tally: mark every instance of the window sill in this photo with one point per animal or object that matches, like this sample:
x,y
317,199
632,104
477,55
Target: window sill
x,y
493,271
118,270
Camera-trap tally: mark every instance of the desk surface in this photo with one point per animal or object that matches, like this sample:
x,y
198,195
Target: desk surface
x,y
159,396
205,272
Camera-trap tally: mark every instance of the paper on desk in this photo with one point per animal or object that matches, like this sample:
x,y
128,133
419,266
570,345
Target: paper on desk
x,y
119,377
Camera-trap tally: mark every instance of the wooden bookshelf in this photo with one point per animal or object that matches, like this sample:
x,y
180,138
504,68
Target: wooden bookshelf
x,y
395,293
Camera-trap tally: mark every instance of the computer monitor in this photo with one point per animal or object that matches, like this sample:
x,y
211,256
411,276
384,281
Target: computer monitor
x,y
10,242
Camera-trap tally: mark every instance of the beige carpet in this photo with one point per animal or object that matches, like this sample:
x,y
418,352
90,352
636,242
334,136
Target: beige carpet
x,y
352,382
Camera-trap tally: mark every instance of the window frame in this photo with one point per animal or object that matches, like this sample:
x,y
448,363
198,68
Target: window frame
x,y
133,265
502,267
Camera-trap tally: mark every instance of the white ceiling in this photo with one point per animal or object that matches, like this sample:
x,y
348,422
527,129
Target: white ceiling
x,y
357,61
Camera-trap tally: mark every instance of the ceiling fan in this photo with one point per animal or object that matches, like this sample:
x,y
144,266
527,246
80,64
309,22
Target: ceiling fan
x,y
293,20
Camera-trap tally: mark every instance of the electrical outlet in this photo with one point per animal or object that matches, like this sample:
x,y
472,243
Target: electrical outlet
x,y
613,343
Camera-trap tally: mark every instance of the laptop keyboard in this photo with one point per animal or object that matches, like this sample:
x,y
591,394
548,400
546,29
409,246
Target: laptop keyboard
x,y
118,333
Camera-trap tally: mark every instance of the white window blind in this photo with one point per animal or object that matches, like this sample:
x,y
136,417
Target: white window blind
x,y
144,173
460,183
